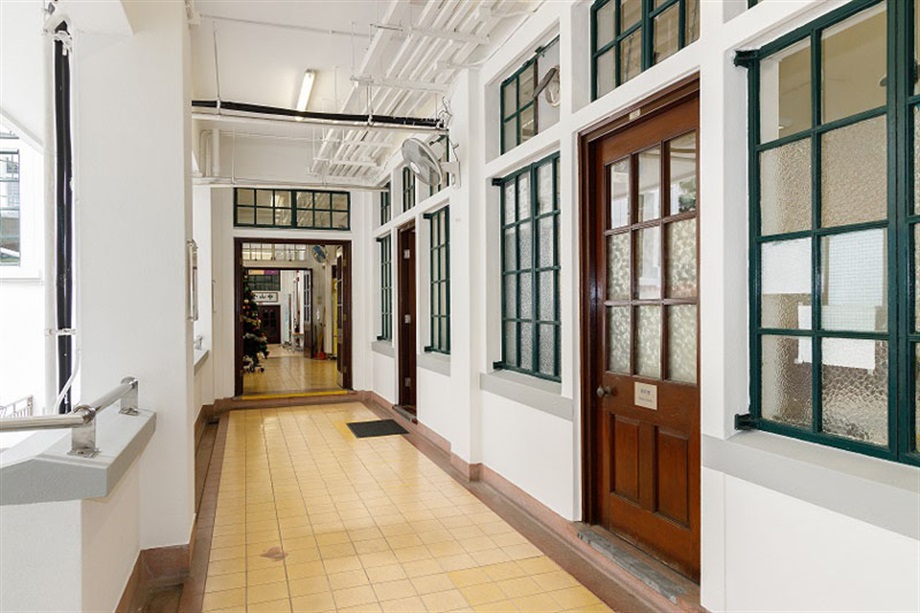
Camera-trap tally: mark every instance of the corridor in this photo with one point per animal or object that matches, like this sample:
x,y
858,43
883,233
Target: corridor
x,y
310,518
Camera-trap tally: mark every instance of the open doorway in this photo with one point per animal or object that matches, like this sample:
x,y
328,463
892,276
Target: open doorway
x,y
291,336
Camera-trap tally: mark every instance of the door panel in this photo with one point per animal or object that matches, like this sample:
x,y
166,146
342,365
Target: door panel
x,y
406,320
271,323
642,189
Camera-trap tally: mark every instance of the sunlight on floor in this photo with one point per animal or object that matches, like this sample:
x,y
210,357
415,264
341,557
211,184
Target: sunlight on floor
x,y
290,371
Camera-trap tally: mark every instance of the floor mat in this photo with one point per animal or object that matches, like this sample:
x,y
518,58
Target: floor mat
x,y
382,427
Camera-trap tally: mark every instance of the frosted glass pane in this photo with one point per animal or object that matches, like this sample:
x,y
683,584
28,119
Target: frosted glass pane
x,y
264,217
510,250
631,56
511,296
854,180
528,123
605,73
525,245
648,265
526,293
682,259
305,219
630,13
547,282
282,217
545,188
619,193
683,173
510,132
510,203
322,219
618,337
509,93
546,242
916,369
648,342
785,188
693,21
510,343
917,277
917,59
618,267
786,380
245,196
264,197
525,86
605,24
340,202
322,201
917,152
245,216
853,57
523,182
547,358
526,346
340,220
854,291
785,298
283,200
304,200
854,380
682,343
650,184
667,26
785,92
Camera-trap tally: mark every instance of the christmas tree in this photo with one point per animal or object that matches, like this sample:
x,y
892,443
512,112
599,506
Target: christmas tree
x,y
255,345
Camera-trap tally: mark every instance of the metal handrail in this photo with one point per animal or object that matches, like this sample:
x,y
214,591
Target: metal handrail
x,y
81,419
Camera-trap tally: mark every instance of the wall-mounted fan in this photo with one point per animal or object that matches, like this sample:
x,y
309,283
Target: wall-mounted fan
x,y
425,165
319,254
549,87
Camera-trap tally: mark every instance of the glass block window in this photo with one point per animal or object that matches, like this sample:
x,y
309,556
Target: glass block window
x,y
385,197
10,239
386,289
530,270
834,231
264,280
408,189
630,36
282,208
439,228
441,147
525,109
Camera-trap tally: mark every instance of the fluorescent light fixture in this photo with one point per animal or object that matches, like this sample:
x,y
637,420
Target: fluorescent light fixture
x,y
306,88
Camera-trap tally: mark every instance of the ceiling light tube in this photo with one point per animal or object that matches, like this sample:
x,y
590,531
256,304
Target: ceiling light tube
x,y
306,88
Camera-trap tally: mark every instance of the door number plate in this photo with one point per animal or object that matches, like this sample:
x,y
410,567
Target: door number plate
x,y
646,396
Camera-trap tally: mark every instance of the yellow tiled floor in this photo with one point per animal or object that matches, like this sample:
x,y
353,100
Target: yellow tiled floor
x,y
290,371
309,518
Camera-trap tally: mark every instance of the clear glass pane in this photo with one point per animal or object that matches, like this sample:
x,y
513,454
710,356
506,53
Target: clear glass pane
x,y
511,343
264,217
245,216
445,333
526,294
605,73
322,219
511,139
511,296
282,200
650,184
305,219
785,92
619,193
630,13
340,202
648,342
693,21
304,200
523,196
322,200
605,24
682,259
510,203
547,358
666,27
618,339
682,343
854,382
509,97
545,188
618,267
854,180
340,220
682,152
785,188
526,346
528,123
525,244
854,57
525,86
547,282
785,384
282,217
245,196
546,242
648,263
264,197
631,56
510,249
785,299
854,288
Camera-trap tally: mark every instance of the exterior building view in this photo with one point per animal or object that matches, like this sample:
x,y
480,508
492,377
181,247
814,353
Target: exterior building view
x,y
627,292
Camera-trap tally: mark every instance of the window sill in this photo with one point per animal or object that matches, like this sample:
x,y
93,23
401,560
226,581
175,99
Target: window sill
x,y
878,492
383,348
200,356
17,273
539,394
435,362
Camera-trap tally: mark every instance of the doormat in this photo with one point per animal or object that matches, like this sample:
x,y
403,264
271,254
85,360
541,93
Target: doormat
x,y
382,427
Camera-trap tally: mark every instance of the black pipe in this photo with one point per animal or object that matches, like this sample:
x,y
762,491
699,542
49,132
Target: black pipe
x,y
64,213
261,109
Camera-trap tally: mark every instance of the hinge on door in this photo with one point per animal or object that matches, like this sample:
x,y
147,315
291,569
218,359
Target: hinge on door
x,y
407,319
407,254
407,382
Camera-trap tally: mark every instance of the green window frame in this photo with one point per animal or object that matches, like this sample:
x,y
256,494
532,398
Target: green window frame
x,y
819,364
264,280
408,189
385,198
441,145
285,208
439,265
386,289
10,206
630,36
519,110
530,266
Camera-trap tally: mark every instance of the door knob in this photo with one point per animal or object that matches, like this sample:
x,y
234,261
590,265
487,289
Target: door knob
x,y
603,391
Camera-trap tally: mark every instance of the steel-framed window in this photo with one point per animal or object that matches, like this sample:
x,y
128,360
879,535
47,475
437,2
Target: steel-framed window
x,y
521,118
386,289
530,270
439,265
441,146
284,208
408,189
833,173
630,36
385,198
10,236
264,280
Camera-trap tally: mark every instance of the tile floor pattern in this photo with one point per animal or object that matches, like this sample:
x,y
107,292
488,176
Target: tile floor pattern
x,y
310,518
290,371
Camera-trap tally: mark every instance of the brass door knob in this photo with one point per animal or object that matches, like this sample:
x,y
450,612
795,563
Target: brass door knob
x,y
603,391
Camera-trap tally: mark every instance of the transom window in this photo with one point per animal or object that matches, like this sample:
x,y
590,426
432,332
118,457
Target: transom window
x,y
385,197
408,189
304,209
630,36
530,269
386,290
10,238
264,280
525,109
441,147
835,230
440,281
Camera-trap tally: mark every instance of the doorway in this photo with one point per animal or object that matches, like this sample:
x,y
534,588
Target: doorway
x,y
640,327
298,293
406,318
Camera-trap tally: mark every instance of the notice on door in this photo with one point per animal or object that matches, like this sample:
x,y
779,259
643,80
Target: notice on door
x,y
646,396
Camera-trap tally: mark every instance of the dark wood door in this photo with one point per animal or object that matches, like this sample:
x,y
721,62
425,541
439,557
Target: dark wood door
x,y
343,317
642,187
406,318
307,316
270,314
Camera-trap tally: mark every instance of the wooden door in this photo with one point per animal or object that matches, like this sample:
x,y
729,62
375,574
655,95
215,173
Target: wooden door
x,y
307,318
642,274
406,318
270,314
342,316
